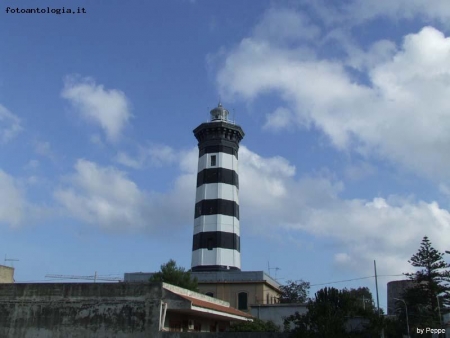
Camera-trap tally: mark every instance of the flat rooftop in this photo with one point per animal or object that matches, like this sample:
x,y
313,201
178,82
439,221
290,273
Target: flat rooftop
x,y
213,277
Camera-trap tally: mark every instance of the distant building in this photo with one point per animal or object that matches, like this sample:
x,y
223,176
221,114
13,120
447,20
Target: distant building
x,y
6,274
395,290
278,312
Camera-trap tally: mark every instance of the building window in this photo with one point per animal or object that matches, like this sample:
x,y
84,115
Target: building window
x,y
242,301
267,299
209,294
175,326
197,326
213,160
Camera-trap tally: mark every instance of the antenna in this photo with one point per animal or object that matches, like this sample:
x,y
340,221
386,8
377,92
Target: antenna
x,y
10,260
276,269
94,277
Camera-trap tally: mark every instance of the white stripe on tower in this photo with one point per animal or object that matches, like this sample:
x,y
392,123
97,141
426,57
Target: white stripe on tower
x,y
216,241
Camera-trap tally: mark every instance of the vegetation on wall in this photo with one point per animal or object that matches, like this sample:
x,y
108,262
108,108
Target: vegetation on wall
x,y
294,291
337,313
257,325
172,274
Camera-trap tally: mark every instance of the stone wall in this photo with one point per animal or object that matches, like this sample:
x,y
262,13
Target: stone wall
x,y
84,310
224,335
6,274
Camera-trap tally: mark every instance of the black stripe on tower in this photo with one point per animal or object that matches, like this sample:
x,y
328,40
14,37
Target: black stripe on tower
x,y
216,207
214,268
219,149
216,239
217,175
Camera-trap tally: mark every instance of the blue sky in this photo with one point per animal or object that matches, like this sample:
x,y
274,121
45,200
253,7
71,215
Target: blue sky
x,y
344,105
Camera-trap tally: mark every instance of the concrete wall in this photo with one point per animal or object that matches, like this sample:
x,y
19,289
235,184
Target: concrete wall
x,y
84,310
224,335
277,312
6,274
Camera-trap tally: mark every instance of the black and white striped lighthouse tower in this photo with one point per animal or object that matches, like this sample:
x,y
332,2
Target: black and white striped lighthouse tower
x,y
216,242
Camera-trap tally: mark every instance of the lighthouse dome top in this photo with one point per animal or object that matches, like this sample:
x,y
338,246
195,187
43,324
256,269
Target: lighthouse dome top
x,y
219,113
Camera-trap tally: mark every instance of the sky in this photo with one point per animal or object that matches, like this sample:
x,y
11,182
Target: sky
x,y
345,110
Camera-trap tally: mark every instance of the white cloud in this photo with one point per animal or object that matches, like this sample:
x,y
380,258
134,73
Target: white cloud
x,y
386,229
126,160
403,111
12,201
161,154
362,10
97,140
283,25
106,197
10,125
357,12
359,171
107,108
44,149
342,258
32,164
444,189
281,118
152,155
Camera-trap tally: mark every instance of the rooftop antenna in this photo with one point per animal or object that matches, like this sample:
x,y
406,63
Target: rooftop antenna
x,y
10,260
276,269
95,277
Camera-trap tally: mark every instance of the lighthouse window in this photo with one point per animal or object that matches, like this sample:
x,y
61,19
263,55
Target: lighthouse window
x,y
213,160
210,244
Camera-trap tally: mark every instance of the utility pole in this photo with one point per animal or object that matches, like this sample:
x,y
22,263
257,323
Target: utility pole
x,y
378,300
376,286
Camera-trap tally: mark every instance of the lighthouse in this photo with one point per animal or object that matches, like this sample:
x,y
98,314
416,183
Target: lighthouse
x,y
216,240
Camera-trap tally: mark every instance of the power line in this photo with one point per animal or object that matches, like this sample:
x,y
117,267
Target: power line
x,y
353,279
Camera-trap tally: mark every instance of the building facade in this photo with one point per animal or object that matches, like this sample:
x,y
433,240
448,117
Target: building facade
x,y
216,240
242,289
6,274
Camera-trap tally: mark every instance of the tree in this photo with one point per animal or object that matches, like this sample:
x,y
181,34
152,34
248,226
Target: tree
x,y
325,316
331,312
294,292
172,274
361,300
257,325
431,282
